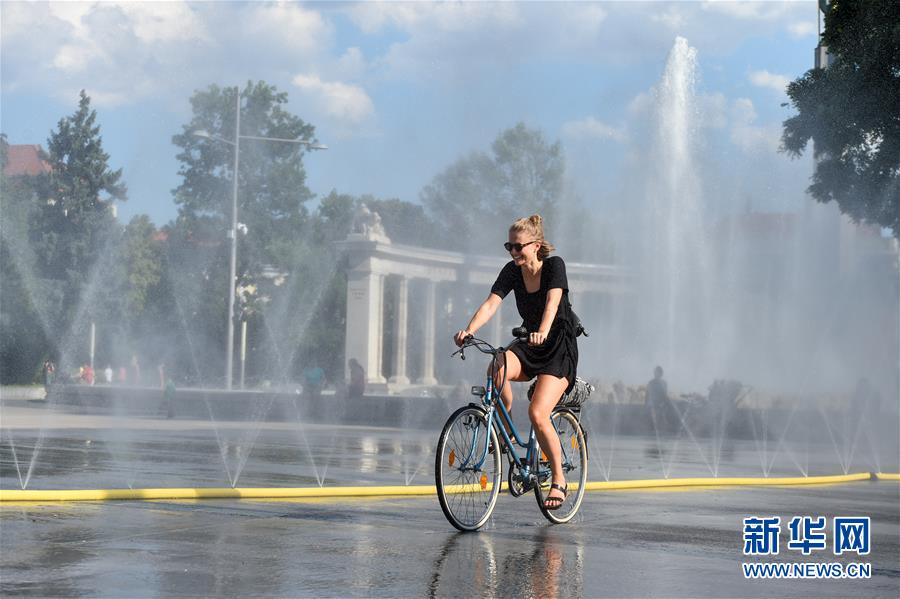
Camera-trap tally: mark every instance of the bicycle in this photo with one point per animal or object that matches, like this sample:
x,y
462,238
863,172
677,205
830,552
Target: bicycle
x,y
468,461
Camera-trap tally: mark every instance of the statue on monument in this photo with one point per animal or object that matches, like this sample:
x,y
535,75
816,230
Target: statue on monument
x,y
367,225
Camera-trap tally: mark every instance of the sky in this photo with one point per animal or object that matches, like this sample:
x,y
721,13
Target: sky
x,y
400,90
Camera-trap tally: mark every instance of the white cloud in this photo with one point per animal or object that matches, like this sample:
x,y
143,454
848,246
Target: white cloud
x,y
640,104
372,17
70,12
591,128
75,57
119,51
769,80
348,104
352,64
737,119
100,97
414,17
800,29
465,41
713,110
672,18
150,21
164,21
583,22
751,11
453,40
748,136
289,25
743,111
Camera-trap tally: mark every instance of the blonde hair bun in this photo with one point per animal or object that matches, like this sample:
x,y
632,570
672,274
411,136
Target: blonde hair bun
x,y
534,225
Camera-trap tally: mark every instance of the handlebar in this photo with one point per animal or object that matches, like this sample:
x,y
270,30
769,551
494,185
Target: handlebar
x,y
520,333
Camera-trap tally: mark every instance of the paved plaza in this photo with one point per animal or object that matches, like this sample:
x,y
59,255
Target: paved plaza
x,y
673,543
622,544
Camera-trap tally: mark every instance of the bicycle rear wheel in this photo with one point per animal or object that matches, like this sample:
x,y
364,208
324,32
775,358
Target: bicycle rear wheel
x,y
467,478
575,466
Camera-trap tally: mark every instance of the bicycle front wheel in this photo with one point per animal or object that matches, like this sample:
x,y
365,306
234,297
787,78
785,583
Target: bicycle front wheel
x,y
466,475
574,455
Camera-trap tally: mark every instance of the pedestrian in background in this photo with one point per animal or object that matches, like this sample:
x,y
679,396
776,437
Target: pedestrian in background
x,y
357,379
49,370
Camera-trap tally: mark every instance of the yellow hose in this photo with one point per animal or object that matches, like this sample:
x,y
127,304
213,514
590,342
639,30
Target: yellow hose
x,y
16,495
725,482
209,493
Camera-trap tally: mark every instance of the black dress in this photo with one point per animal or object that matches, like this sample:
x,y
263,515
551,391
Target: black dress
x,y
558,355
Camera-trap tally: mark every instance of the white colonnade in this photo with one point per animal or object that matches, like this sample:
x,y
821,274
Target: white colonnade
x,y
378,269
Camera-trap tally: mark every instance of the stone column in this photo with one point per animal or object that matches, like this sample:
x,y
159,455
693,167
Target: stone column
x,y
400,333
374,375
364,332
428,345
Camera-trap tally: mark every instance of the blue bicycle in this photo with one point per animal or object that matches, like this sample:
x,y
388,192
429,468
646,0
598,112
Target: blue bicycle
x,y
469,464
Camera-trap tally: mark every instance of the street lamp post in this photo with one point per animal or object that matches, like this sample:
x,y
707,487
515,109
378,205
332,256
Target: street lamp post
x,y
232,232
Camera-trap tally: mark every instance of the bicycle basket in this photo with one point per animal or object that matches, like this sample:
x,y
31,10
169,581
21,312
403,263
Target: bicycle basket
x,y
575,398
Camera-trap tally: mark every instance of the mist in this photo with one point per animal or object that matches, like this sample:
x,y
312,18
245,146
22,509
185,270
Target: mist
x,y
773,317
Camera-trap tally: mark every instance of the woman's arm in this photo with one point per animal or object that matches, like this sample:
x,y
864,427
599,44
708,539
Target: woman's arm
x,y
482,315
550,307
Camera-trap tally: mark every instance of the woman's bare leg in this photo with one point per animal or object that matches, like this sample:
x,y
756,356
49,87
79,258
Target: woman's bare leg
x,y
547,392
514,373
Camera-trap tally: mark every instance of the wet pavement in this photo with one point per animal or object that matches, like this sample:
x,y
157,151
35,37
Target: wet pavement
x,y
41,448
622,544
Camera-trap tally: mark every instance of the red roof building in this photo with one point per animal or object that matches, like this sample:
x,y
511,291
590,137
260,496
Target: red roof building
x,y
25,159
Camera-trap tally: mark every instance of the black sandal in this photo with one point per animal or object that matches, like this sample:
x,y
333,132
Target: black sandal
x,y
557,501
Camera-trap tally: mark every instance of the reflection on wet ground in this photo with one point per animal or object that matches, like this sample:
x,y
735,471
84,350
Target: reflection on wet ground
x,y
549,564
96,459
622,544
102,452
51,450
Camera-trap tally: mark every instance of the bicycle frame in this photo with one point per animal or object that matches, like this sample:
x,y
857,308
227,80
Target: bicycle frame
x,y
462,466
497,413
495,407
500,419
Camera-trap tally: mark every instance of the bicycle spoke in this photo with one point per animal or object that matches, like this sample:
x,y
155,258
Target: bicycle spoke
x,y
467,494
574,461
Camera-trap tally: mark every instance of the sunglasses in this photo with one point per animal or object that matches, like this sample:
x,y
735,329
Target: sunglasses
x,y
517,246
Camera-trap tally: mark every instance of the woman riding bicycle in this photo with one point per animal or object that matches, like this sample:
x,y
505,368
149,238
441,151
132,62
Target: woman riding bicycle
x,y
551,354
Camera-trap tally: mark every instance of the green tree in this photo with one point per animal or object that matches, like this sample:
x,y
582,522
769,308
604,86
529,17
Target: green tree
x,y
271,196
142,262
404,222
318,290
75,222
482,193
272,180
529,171
194,293
333,219
73,230
851,111
462,198
57,229
23,341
